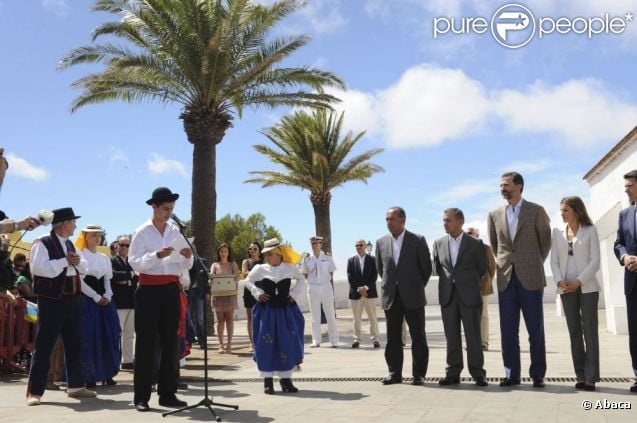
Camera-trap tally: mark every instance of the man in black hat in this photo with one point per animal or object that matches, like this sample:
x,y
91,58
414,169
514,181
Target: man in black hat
x,y
56,268
157,300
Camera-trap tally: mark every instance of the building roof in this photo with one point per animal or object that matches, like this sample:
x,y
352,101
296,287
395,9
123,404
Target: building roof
x,y
614,152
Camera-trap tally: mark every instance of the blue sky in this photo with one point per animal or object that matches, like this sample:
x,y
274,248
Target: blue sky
x,y
453,113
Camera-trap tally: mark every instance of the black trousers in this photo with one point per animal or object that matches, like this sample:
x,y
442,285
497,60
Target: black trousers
x,y
156,319
57,317
631,308
415,318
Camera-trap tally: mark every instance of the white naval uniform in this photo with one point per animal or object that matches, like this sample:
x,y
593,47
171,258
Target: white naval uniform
x,y
319,292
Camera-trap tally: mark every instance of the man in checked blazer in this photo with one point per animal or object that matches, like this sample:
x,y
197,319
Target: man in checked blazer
x,y
520,235
626,252
404,265
460,262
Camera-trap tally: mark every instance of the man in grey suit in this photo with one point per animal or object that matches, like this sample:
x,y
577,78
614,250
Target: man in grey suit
x,y
404,265
520,235
460,262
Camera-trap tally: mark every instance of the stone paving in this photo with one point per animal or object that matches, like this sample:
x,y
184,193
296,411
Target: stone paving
x,y
343,385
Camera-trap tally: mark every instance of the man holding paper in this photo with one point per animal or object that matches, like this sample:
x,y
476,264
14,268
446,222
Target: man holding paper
x,y
159,256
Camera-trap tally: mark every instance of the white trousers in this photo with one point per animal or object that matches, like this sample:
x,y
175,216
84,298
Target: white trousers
x,y
317,295
127,323
369,304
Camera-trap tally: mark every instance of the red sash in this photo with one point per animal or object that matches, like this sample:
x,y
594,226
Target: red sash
x,y
146,279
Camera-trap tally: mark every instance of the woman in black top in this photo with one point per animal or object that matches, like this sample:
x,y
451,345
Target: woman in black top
x,y
254,258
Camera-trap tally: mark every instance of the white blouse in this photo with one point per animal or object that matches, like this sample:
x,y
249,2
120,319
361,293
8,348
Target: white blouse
x,y
98,266
275,274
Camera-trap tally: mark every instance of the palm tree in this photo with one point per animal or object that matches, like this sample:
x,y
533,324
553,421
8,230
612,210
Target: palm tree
x,y
309,149
213,57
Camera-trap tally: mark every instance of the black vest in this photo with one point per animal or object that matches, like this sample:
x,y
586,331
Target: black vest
x,y
279,292
59,285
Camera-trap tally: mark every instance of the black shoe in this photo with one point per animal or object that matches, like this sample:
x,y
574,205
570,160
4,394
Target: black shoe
x,y
376,344
91,384
633,387
127,366
481,381
538,382
418,381
142,406
109,382
391,380
287,386
356,344
589,387
580,385
171,401
268,386
510,381
182,386
447,380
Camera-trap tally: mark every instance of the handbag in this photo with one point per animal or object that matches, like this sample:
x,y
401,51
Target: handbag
x,y
223,285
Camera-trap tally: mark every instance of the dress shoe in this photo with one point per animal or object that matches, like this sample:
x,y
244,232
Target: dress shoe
x,y
633,387
80,393
142,406
589,387
580,385
538,382
376,344
109,382
182,386
391,380
268,386
481,381
127,366
447,380
334,345
314,345
171,401
510,381
91,385
287,386
33,400
356,344
418,381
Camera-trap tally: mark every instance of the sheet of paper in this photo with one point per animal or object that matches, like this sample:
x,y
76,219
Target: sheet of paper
x,y
178,244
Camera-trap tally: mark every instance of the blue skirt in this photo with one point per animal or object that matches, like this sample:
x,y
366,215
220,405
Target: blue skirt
x,y
278,337
101,335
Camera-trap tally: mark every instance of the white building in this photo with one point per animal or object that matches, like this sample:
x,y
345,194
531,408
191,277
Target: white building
x,y
607,199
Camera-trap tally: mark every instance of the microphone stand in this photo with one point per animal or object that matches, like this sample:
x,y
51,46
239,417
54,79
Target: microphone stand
x,y
206,401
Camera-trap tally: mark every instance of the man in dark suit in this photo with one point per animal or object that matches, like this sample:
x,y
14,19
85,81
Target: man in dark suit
x,y
626,252
362,275
460,262
404,265
520,234
124,284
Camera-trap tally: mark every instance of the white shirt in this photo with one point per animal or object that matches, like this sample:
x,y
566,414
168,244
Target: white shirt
x,y
513,212
42,266
454,247
99,266
361,260
396,245
275,274
146,241
318,269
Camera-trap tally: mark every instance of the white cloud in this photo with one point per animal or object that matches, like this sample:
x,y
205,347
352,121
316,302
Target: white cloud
x,y
463,191
158,164
23,168
115,155
523,167
58,7
577,112
430,105
324,16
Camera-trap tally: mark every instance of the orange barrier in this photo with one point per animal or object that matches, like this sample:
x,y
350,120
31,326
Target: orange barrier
x,y
16,336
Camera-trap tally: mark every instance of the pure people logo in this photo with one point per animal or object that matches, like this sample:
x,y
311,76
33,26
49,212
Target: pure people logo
x,y
514,25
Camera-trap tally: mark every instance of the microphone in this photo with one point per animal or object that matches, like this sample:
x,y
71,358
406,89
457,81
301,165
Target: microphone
x,y
45,217
178,221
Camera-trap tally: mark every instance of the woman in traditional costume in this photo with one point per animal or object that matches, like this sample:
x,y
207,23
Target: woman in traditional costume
x,y
278,323
101,332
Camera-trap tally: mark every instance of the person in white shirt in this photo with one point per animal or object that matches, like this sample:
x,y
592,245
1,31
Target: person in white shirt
x,y
574,261
157,300
56,269
319,269
101,332
278,323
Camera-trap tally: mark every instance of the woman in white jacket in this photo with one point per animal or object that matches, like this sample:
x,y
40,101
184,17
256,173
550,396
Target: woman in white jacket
x,y
575,261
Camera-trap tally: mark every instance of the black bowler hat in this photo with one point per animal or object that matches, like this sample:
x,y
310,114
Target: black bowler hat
x,y
162,195
63,214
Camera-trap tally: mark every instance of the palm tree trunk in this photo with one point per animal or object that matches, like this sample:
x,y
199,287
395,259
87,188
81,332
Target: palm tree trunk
x,y
204,198
322,223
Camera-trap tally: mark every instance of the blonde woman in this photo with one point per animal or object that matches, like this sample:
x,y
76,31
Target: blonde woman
x,y
574,261
225,306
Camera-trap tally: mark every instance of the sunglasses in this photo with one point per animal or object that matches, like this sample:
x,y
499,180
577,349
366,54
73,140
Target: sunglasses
x,y
253,249
124,245
359,245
